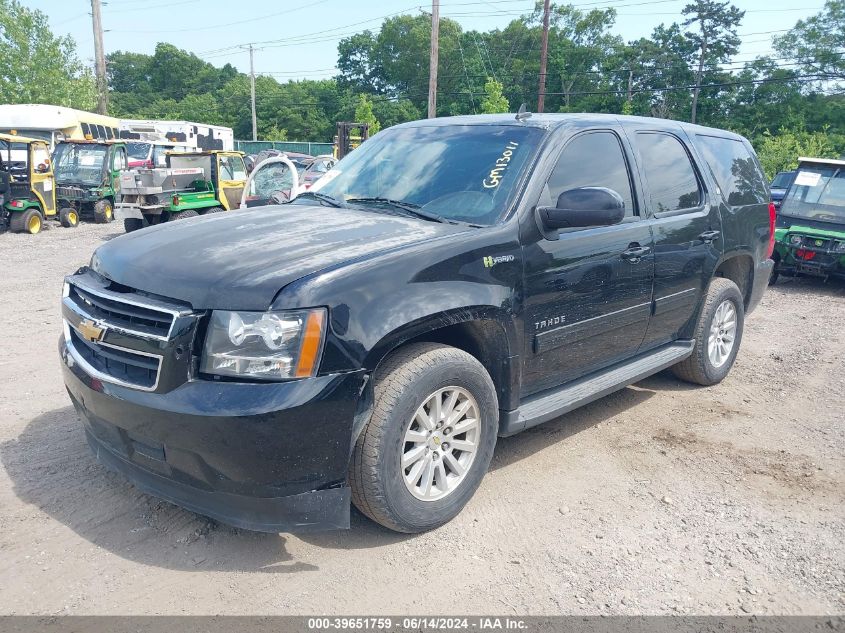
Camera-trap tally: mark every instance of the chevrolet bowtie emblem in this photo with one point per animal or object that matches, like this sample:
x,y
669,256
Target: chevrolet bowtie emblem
x,y
90,331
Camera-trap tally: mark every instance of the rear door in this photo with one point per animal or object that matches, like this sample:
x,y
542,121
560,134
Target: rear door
x,y
587,293
231,176
684,216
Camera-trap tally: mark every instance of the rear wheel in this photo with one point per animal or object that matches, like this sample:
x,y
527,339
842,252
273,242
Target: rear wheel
x,y
103,212
215,210
69,217
430,439
718,334
29,221
190,213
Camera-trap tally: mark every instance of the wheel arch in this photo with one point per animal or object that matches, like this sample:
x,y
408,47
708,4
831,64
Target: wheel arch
x,y
739,268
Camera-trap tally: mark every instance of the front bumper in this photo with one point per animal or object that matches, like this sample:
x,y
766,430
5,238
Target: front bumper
x,y
270,457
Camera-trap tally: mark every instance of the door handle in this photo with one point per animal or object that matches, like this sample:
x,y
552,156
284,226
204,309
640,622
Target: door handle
x,y
635,253
709,236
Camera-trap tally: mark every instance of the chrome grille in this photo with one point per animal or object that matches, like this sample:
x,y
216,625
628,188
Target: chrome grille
x,y
118,335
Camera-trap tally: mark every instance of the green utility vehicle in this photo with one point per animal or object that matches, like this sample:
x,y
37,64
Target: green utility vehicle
x,y
88,177
27,191
810,235
193,183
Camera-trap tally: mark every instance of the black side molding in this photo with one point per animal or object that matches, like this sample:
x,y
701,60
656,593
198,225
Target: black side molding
x,y
553,403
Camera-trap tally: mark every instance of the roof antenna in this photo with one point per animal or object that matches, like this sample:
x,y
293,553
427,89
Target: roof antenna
x,y
523,113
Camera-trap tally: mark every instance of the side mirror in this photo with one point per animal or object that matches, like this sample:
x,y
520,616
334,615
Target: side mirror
x,y
583,207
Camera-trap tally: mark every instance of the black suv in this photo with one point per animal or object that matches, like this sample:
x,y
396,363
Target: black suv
x,y
451,281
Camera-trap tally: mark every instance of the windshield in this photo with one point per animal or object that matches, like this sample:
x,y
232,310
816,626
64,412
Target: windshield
x,y
82,163
459,172
269,179
818,193
782,180
138,151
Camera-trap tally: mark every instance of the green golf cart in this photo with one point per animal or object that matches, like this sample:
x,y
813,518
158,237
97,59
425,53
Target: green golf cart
x,y
88,177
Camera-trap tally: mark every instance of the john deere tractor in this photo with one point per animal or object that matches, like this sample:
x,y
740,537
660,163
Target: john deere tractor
x,y
88,177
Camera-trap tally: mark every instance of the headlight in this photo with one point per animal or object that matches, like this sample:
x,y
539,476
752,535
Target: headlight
x,y
795,240
264,345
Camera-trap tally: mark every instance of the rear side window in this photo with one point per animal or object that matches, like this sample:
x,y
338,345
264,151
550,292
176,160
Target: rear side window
x,y
594,159
671,177
735,169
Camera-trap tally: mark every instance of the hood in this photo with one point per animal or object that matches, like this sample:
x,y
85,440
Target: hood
x,y
239,260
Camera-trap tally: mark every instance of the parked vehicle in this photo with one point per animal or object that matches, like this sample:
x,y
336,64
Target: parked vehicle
x,y
316,169
193,183
195,136
810,238
779,186
452,280
88,177
27,188
274,180
150,154
54,123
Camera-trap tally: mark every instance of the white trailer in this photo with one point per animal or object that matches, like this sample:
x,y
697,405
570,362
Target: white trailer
x,y
195,136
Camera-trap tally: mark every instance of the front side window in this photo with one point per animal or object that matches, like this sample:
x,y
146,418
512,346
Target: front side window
x,y
594,159
119,159
735,169
671,177
783,179
466,173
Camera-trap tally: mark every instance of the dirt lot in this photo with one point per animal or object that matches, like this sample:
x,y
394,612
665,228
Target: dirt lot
x,y
662,498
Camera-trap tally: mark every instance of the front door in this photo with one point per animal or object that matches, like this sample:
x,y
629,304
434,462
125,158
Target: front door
x,y
119,163
231,176
687,230
588,293
41,177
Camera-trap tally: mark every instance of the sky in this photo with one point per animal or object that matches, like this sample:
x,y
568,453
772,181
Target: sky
x,y
300,37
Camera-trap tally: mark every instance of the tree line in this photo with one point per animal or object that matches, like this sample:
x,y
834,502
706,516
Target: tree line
x,y
792,100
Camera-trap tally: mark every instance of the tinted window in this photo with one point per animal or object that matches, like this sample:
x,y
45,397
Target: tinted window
x,y
86,130
591,160
736,171
783,179
670,174
818,193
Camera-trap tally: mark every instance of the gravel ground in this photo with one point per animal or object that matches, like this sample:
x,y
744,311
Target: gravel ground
x,y
662,498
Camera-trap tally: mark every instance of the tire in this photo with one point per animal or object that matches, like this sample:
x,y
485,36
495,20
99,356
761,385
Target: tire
x,y
69,217
214,210
103,212
190,213
699,368
133,224
405,381
30,221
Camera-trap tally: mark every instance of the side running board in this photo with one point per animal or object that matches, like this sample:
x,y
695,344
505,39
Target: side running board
x,y
551,404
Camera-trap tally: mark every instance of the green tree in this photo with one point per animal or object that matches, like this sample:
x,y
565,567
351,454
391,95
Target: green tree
x,y
38,67
494,101
780,152
715,37
364,114
818,42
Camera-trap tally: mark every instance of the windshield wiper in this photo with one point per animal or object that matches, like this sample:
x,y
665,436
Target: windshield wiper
x,y
323,197
409,208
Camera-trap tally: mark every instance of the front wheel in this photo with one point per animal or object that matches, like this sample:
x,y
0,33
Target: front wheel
x,y
182,215
133,224
103,212
718,334
429,441
69,217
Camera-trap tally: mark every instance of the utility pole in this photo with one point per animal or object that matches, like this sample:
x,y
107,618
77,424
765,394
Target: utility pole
x,y
544,54
252,93
100,59
432,65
